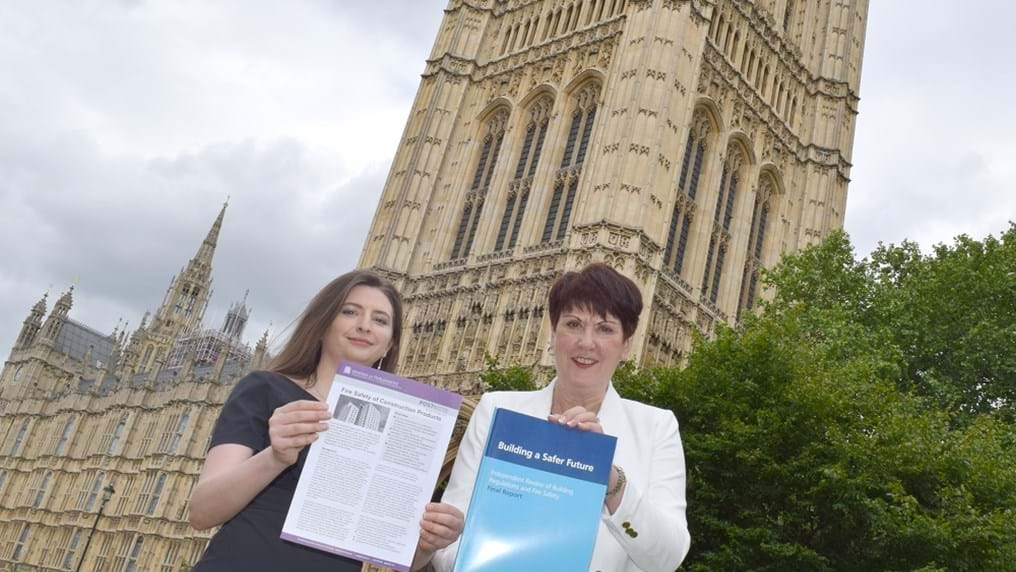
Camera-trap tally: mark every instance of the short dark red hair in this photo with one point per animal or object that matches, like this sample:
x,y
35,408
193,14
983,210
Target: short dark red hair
x,y
601,290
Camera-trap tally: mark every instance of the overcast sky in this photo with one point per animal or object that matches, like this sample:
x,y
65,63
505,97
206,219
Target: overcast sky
x,y
125,124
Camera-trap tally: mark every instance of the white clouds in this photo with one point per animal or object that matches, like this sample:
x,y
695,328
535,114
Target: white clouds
x,y
936,129
124,125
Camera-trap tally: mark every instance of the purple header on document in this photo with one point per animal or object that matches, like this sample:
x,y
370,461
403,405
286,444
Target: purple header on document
x,y
347,553
400,384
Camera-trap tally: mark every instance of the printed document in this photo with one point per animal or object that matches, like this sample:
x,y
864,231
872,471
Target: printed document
x,y
369,475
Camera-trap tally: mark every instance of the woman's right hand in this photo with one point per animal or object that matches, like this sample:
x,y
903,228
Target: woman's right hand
x,y
294,426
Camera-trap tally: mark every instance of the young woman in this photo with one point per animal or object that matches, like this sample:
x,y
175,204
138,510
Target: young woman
x,y
259,443
643,527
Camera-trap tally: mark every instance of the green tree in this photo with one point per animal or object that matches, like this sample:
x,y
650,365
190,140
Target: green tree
x,y
863,421
806,449
511,378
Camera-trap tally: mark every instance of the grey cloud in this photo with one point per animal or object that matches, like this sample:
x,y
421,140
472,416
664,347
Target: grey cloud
x,y
936,128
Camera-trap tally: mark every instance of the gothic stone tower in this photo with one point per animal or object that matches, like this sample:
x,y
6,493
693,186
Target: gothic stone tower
x,y
688,143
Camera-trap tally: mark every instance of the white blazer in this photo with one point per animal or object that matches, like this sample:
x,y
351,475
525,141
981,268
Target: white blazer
x,y
648,449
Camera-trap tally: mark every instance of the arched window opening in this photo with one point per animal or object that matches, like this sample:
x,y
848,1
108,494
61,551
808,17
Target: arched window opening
x,y
788,15
477,193
20,438
117,434
522,181
756,240
723,213
566,180
695,151
61,445
507,39
733,49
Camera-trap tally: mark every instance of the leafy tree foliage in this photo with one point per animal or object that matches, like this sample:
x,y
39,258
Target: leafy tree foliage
x,y
511,378
848,427
863,421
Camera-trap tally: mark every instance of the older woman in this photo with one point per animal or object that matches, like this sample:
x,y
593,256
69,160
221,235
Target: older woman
x,y
593,314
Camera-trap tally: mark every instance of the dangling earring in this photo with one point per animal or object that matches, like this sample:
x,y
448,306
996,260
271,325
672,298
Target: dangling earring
x,y
381,361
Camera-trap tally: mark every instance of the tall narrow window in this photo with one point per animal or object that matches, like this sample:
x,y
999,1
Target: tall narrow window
x,y
566,180
788,16
170,558
135,554
181,427
477,193
61,445
756,240
72,549
722,215
93,492
20,438
19,546
156,494
519,188
40,493
687,187
114,440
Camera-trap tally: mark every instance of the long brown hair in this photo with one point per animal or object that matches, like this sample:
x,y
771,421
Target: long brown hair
x,y
302,352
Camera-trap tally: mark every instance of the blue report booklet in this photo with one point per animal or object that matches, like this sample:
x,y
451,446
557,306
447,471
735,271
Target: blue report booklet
x,y
537,499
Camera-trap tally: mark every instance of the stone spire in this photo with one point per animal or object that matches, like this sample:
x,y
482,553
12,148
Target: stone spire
x,y
58,316
207,249
186,298
260,352
33,323
236,318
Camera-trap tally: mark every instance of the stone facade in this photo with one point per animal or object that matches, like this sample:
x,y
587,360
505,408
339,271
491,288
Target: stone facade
x,y
81,410
688,143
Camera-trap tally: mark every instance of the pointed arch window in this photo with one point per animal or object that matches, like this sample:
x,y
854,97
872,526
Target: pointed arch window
x,y
114,440
719,238
477,193
61,445
522,181
135,554
156,494
40,493
687,187
19,546
181,427
756,241
20,438
93,492
72,549
566,180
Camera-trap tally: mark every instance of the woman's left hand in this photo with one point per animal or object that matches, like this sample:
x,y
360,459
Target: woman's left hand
x,y
441,525
578,417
